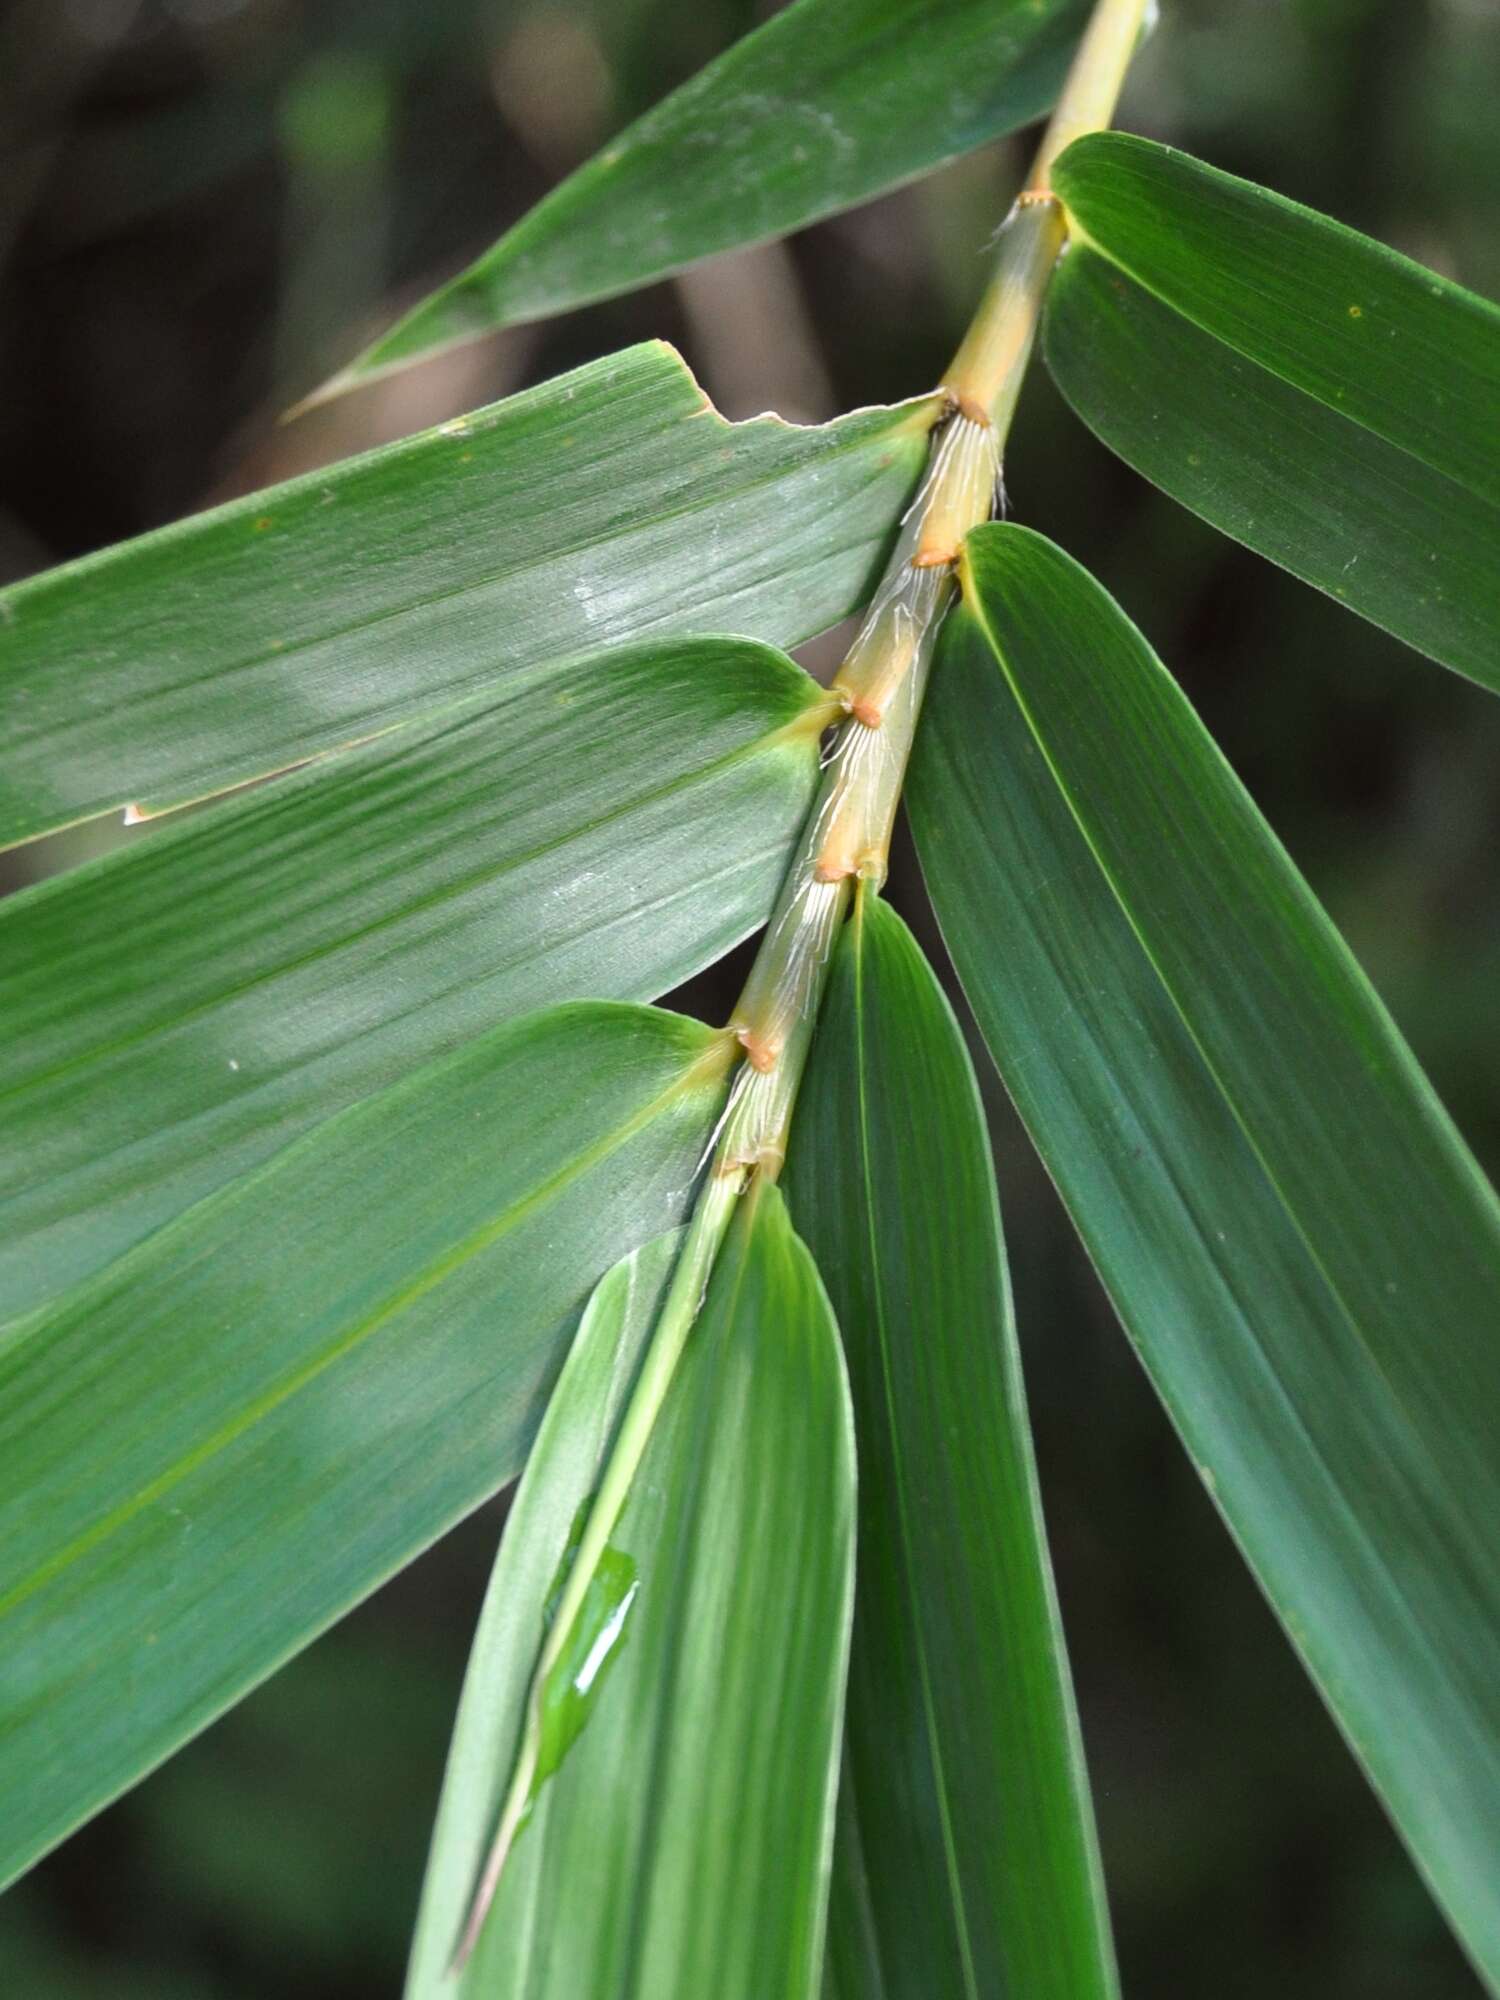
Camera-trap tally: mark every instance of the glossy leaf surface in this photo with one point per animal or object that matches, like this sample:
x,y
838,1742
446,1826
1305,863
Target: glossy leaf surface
x,y
612,504
829,103
176,1012
231,1435
1290,1229
1310,392
966,1862
682,1844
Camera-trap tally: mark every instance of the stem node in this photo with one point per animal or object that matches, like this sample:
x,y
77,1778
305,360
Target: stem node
x,y
760,1054
844,846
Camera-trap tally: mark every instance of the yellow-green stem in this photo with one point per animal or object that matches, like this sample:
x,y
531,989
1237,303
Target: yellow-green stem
x,y
986,373
1094,81
847,836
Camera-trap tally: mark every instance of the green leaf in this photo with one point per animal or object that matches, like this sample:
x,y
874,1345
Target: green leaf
x,y
563,1469
966,1861
1327,402
611,504
682,1845
829,103
1400,351
1289,1227
227,1438
1334,504
178,1011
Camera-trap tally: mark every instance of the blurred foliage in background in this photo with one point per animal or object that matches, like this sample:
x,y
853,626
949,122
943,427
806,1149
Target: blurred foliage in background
x,y
206,205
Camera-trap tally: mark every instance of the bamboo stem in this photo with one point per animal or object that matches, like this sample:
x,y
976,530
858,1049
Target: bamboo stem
x,y
987,371
1115,31
847,835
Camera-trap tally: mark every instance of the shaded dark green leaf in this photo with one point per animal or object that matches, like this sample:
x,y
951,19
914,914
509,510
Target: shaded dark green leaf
x,y
1399,350
1291,478
1328,402
1290,1229
966,1861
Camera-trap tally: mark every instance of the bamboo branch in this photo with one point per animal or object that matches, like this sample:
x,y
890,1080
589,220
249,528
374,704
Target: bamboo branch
x,y
847,835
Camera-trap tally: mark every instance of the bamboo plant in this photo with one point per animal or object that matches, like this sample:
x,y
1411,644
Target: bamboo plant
x,y
331,1211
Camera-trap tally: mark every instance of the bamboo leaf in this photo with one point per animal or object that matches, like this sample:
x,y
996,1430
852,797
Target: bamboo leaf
x,y
1399,350
612,504
562,1472
966,1861
1290,1229
828,104
231,1435
177,1012
1325,401
682,1844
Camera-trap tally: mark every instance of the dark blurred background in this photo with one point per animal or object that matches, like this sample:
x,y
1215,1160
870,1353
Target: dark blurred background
x,y
205,205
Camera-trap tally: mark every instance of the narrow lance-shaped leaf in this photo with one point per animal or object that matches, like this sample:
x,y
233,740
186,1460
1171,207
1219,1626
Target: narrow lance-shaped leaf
x,y
827,104
1322,399
609,505
228,1437
1290,1229
176,1012
966,1835
563,1470
681,1842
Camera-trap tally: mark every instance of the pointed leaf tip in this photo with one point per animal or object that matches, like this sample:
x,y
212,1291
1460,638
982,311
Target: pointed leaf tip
x,y
792,123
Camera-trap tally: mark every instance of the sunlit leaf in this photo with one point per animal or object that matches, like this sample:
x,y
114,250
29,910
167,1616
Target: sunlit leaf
x,y
1322,399
562,1471
682,1844
176,1012
228,1437
1290,1229
827,104
611,504
966,1861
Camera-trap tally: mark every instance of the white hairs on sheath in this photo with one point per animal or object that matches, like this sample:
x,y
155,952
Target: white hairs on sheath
x,y
807,924
968,452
